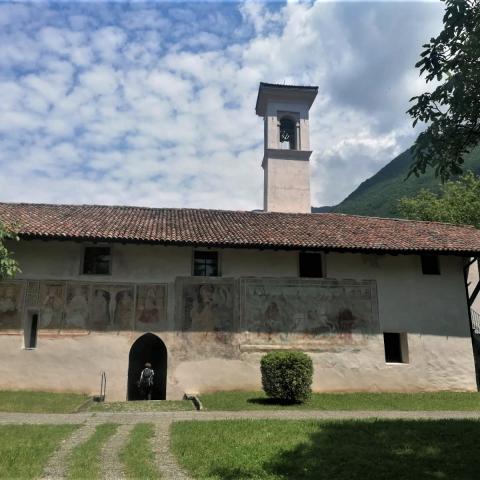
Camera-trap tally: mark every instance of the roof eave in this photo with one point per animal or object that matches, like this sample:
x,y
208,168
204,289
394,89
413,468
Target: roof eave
x,y
256,246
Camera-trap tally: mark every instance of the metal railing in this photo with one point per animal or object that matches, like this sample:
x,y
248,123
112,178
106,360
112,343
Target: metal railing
x,y
475,321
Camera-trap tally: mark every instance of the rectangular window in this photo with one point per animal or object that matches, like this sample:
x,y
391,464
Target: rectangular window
x,y
430,265
205,264
97,261
310,264
30,332
396,347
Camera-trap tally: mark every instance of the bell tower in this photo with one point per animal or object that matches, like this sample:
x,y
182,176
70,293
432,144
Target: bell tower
x,y
286,159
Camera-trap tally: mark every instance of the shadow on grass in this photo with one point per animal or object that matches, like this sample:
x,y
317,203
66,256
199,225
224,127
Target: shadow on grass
x,y
270,401
377,450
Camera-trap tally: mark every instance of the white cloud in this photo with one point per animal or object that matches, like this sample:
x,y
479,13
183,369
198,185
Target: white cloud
x,y
152,105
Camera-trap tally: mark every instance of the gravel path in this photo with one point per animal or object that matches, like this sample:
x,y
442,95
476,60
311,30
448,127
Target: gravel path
x,y
166,463
57,463
154,417
111,465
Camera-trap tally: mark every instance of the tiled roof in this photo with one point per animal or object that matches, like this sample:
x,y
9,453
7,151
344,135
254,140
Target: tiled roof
x,y
302,87
323,231
307,93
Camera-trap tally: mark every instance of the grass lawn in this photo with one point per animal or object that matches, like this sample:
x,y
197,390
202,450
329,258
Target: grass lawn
x,y
143,406
25,449
464,401
84,461
40,402
326,450
137,455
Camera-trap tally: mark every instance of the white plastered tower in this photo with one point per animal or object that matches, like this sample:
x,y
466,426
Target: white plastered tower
x,y
286,160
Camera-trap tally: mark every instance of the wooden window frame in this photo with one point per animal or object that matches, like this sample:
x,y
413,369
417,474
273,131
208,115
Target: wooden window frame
x,y
82,263
323,263
206,250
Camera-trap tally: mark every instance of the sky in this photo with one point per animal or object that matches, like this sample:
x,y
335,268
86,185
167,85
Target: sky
x,y
153,103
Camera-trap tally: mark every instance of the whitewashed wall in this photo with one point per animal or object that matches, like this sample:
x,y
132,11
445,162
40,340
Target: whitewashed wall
x,y
431,309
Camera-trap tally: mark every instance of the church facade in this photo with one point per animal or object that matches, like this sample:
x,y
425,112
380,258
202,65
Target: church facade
x,y
379,304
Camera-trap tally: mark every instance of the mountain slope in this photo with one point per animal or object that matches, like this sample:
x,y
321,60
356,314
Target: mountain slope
x,y
378,196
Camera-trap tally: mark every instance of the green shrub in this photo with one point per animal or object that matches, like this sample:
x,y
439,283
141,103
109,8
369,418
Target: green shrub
x,y
287,376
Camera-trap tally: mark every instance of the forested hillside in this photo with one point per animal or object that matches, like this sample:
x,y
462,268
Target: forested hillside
x,y
378,196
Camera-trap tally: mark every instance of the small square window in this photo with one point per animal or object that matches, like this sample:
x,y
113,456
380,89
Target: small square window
x,y
310,265
396,347
97,261
430,264
205,264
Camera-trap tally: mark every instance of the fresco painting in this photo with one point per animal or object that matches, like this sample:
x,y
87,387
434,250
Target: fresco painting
x,y
51,304
205,316
77,311
32,293
100,317
112,307
151,305
305,311
123,307
11,297
271,311
206,306
81,305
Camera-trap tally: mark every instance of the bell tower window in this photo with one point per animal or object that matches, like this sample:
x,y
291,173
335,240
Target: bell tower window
x,y
287,134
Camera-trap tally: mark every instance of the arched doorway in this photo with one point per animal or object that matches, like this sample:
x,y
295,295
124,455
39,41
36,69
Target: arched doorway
x,y
148,348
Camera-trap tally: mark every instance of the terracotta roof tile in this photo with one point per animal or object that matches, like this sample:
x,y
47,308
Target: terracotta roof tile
x,y
325,231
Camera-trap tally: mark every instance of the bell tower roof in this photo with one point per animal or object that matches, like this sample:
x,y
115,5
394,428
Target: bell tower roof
x,y
272,91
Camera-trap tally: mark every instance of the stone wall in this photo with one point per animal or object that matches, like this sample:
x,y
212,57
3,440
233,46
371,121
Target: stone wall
x,y
217,329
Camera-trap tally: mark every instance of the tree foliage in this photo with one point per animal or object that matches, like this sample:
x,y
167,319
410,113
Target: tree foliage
x,y
8,265
452,110
458,202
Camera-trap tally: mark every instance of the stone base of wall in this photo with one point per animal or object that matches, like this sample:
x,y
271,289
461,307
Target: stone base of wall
x,y
74,362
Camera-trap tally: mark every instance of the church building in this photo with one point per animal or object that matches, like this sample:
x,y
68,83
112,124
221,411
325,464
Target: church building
x,y
378,304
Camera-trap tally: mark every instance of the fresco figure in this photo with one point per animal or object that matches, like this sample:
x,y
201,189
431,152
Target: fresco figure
x,y
100,317
346,322
150,312
151,303
51,308
9,305
209,308
123,315
77,309
272,318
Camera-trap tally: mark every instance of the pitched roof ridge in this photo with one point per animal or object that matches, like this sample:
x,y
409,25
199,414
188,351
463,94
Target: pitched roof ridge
x,y
135,207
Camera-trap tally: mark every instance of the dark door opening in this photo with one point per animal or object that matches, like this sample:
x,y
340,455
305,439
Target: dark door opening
x,y
147,348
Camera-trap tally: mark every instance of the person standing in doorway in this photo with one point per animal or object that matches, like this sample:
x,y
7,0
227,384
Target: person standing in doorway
x,y
145,384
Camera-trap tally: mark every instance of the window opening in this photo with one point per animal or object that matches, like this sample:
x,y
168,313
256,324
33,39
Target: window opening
x,y
310,264
31,330
287,134
396,348
430,264
205,264
97,261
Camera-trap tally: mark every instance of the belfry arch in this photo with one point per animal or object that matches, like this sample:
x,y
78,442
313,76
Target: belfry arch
x,y
147,348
